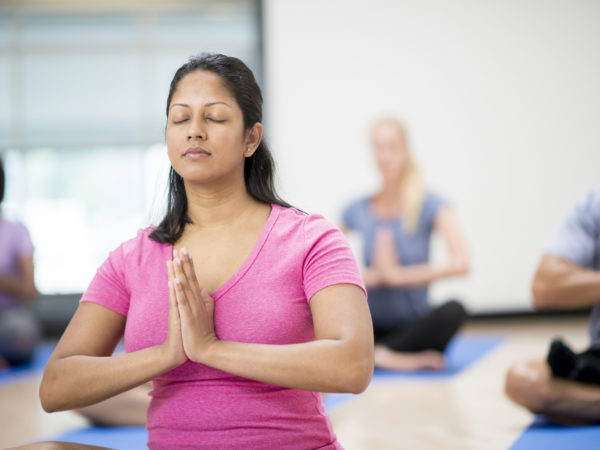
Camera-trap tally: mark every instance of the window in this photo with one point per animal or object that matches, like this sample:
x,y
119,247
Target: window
x,y
82,99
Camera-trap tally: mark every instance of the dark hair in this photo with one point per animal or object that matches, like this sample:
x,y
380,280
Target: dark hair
x,y
258,169
1,181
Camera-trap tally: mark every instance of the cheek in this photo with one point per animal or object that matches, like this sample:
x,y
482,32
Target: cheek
x,y
172,150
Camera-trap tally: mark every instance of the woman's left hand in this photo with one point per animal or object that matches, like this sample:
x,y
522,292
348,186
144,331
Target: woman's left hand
x,y
196,308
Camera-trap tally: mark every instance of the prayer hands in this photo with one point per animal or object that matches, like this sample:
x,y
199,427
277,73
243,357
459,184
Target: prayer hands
x,y
385,258
194,308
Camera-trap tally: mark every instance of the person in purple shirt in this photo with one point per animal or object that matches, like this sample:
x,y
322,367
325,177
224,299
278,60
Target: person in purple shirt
x,y
19,332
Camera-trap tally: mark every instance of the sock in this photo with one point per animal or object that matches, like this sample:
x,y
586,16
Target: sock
x,y
587,369
561,359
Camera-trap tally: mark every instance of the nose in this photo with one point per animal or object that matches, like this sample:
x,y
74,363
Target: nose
x,y
196,130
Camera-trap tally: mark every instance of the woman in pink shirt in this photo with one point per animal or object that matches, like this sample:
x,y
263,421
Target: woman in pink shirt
x,y
240,308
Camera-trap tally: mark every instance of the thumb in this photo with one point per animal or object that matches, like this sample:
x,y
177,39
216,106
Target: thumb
x,y
204,293
207,299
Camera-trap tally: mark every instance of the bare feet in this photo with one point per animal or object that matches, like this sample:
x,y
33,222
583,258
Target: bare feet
x,y
531,384
392,360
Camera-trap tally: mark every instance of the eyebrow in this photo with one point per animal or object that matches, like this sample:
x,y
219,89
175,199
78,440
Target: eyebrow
x,y
206,104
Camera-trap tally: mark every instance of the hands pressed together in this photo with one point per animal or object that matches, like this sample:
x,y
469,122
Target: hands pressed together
x,y
191,333
385,259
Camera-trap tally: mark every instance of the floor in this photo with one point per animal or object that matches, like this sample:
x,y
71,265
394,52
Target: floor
x,y
465,411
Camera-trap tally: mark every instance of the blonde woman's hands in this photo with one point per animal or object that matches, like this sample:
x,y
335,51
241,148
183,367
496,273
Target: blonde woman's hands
x,y
195,307
385,258
384,252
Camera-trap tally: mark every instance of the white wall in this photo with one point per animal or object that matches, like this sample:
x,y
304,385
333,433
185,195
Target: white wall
x,y
501,99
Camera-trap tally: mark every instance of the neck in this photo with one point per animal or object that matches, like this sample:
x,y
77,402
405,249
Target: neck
x,y
390,190
218,204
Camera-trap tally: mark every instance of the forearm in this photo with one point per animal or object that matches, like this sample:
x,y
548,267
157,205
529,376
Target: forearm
x,y
15,285
567,289
79,380
324,365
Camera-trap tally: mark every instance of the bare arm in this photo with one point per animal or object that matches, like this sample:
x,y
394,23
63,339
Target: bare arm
x,y
81,371
421,274
339,360
21,285
559,283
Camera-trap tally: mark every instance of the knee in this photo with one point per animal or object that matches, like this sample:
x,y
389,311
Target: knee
x,y
455,310
528,384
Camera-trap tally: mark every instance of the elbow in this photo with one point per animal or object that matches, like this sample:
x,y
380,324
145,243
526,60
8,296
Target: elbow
x,y
464,268
459,267
542,294
359,377
360,384
48,397
46,400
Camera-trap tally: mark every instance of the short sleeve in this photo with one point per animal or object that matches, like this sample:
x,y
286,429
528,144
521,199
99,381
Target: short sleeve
x,y
328,258
24,246
108,287
576,239
431,206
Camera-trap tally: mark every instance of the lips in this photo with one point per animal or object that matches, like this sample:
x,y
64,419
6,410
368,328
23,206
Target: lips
x,y
196,152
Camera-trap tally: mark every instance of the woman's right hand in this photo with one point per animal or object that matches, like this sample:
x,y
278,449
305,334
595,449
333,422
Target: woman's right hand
x,y
173,345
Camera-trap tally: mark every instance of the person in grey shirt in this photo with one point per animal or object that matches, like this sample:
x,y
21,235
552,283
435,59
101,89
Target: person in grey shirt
x,y
566,386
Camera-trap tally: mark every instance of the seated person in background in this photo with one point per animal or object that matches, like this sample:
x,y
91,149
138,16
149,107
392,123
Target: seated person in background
x,y
566,387
396,225
19,331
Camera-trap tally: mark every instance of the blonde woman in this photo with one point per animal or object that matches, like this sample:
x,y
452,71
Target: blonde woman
x,y
396,225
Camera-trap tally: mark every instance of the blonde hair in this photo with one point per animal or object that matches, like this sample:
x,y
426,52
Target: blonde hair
x,y
412,188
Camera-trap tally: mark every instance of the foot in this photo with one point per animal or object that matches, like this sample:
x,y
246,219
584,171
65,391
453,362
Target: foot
x,y
561,359
388,359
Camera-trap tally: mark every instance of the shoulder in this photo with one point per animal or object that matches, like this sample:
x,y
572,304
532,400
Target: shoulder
x,y
358,204
434,200
138,248
577,237
589,205
14,228
432,204
356,212
17,236
302,228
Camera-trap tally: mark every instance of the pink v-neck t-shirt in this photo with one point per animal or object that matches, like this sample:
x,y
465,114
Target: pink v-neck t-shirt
x,y
266,301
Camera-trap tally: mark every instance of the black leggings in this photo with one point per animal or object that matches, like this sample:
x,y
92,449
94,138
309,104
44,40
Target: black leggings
x,y
431,332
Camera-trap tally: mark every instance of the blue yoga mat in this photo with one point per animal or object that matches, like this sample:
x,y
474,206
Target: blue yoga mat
x,y
543,434
40,359
120,438
462,351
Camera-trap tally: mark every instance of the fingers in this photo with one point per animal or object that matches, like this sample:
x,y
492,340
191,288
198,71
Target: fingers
x,y
180,295
188,266
186,286
172,298
182,282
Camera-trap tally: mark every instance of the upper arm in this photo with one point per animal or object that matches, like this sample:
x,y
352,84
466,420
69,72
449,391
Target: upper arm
x,y
576,240
26,271
94,330
445,224
340,312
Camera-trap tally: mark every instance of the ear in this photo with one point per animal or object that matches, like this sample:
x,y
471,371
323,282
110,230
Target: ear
x,y
253,138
